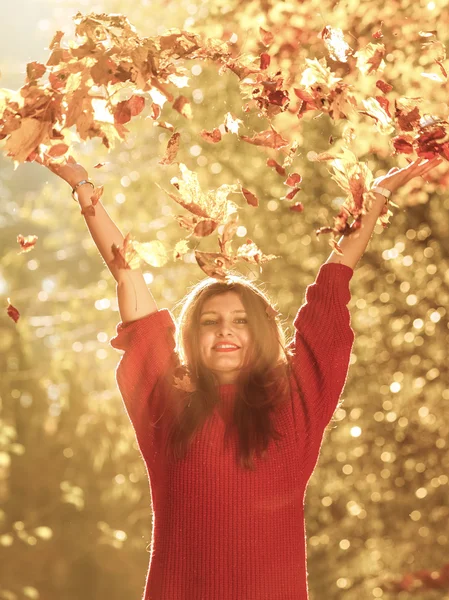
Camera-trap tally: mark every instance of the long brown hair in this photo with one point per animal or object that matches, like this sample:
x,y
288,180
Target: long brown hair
x,y
261,386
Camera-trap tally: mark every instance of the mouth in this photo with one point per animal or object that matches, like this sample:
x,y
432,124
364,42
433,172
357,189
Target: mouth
x,y
225,348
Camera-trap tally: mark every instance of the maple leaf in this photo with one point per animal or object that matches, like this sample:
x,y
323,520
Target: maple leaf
x,y
26,138
214,264
153,253
12,311
26,243
172,150
250,197
370,58
213,137
268,138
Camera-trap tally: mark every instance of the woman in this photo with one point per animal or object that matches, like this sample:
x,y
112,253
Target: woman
x,y
229,418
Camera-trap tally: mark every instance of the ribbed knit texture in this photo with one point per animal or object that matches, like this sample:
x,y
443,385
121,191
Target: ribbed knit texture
x,y
221,532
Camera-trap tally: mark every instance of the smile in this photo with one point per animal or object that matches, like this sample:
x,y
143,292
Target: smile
x,y
225,348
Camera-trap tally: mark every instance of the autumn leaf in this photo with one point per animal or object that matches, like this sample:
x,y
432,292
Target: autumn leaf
x,y
205,227
181,248
266,36
251,253
231,124
26,138
293,179
182,105
26,243
184,383
407,120
335,43
297,207
370,58
57,150
385,87
125,257
250,198
213,264
265,60
12,311
269,139
279,168
153,253
172,150
100,165
212,137
127,109
35,70
291,194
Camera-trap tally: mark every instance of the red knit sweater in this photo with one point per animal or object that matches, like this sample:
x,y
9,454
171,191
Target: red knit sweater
x,y
221,532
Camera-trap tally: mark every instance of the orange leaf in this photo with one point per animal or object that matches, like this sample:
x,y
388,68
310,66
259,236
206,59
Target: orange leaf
x,y
293,179
205,227
212,137
266,36
172,150
26,243
128,108
182,105
268,138
57,150
265,60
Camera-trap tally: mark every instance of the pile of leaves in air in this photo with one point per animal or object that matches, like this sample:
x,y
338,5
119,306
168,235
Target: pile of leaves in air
x,y
113,70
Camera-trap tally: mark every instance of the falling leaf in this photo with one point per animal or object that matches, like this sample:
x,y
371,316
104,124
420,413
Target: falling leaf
x,y
12,311
205,227
291,194
181,248
153,253
265,60
266,36
250,197
26,138
182,105
334,40
35,70
231,124
297,207
57,150
172,150
251,253
433,77
213,264
269,138
385,87
212,137
402,145
127,109
26,243
293,179
408,120
279,168
100,165
370,58
125,257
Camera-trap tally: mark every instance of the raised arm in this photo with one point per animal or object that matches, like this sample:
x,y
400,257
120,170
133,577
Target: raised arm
x,y
354,245
134,298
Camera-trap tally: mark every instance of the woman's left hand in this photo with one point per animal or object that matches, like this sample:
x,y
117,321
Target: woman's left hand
x,y
397,177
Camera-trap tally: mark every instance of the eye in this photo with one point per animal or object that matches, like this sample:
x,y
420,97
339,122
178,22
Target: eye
x,y
243,321
208,322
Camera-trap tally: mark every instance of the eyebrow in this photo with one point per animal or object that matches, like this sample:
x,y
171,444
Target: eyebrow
x,y
213,312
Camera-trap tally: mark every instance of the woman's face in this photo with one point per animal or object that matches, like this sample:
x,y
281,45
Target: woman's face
x,y
224,336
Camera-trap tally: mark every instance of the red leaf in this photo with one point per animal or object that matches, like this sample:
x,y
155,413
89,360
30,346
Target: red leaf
x,y
266,36
383,86
12,312
212,137
35,70
377,35
265,60
128,108
293,179
250,197
26,243
407,121
443,70
99,165
385,104
280,169
298,207
402,146
292,194
155,111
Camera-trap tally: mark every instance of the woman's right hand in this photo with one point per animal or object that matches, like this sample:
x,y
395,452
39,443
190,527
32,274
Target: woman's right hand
x,y
69,171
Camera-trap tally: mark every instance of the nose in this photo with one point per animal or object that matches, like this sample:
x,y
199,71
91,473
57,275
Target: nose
x,y
224,329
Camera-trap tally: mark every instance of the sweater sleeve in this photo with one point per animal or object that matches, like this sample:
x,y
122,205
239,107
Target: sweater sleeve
x,y
149,354
323,341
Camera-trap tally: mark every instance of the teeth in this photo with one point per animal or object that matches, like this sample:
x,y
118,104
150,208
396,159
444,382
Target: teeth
x,y
225,346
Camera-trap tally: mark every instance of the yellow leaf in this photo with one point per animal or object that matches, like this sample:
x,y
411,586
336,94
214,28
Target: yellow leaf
x,y
24,140
153,253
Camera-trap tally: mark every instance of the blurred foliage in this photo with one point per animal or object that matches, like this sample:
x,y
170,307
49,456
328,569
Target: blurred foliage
x,y
75,516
